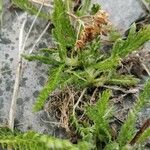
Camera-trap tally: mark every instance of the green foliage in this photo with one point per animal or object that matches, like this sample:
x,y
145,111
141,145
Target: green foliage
x,y
128,130
63,32
148,1
84,9
144,136
34,141
51,84
98,131
90,66
95,134
42,59
100,115
124,80
30,8
95,8
134,40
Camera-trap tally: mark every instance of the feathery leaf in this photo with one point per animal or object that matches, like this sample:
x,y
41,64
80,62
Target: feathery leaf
x,y
134,40
63,31
50,86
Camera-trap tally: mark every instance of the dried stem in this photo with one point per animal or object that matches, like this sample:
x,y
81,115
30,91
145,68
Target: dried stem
x,y
77,103
139,133
17,81
27,36
41,35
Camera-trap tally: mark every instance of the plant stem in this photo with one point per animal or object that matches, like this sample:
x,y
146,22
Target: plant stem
x,y
17,81
139,133
77,103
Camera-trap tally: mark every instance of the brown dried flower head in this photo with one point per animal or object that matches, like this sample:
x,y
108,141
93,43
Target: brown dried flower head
x,y
97,26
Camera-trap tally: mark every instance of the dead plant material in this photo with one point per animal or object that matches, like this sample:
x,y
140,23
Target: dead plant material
x,y
132,65
139,133
77,5
62,104
95,27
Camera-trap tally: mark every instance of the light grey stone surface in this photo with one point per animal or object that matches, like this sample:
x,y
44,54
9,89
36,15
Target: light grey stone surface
x,y
34,75
122,13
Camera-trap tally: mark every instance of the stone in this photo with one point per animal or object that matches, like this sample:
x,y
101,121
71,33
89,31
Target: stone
x,y
122,13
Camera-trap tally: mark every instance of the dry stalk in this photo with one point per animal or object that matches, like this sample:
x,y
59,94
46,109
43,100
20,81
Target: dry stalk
x,y
79,100
17,80
116,88
41,35
31,27
139,133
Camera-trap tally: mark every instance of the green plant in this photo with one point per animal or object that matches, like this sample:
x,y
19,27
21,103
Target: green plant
x,y
34,141
95,133
84,67
89,66
98,133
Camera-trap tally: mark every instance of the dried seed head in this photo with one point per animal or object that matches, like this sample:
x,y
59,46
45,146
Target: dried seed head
x,y
93,29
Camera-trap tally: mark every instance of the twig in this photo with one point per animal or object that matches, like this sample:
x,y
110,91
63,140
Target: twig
x,y
93,95
77,103
139,133
146,5
17,81
132,91
39,38
23,47
146,69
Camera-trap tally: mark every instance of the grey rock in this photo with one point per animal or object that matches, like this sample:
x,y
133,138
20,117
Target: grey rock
x,y
122,13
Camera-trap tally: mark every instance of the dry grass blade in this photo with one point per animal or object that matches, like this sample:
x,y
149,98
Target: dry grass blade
x,y
17,80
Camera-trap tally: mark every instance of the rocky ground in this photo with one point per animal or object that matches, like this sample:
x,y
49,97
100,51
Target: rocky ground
x,y
122,14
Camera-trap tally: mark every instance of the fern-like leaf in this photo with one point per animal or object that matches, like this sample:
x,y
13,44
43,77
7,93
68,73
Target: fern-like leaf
x,y
63,32
50,86
107,64
51,60
124,80
128,130
34,141
99,114
134,40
